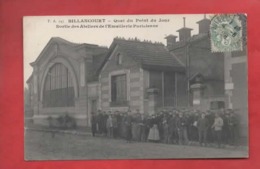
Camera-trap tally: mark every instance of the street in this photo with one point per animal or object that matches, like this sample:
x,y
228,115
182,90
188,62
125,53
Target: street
x,y
44,146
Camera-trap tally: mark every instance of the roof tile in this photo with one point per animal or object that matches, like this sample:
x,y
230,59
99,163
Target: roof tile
x,y
149,54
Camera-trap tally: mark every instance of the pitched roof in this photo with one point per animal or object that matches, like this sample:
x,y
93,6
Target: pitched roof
x,y
184,29
96,64
149,55
58,40
171,36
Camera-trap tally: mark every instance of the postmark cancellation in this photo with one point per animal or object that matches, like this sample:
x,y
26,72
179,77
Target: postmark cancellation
x,y
226,33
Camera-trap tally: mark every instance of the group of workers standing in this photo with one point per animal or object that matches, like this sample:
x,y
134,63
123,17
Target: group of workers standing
x,y
171,127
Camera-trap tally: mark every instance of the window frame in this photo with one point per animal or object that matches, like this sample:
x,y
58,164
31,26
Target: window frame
x,y
118,73
115,81
118,58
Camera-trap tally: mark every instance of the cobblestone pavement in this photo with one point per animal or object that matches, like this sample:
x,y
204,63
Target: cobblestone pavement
x,y
43,145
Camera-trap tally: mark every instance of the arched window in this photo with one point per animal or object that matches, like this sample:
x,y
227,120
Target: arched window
x,y
58,88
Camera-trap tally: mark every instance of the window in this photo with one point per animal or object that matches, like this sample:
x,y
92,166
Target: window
x,y
118,90
58,87
119,59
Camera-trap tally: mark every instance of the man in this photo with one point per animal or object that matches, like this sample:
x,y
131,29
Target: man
x,y
134,127
100,121
144,127
217,126
139,126
210,134
159,117
123,125
115,125
232,124
165,129
225,128
182,129
104,122
203,125
128,125
119,119
173,135
93,124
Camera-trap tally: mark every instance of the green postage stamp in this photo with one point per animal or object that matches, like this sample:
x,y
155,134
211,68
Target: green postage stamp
x,y
226,33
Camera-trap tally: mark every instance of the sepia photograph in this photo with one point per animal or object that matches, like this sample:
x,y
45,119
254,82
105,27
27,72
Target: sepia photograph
x,y
135,87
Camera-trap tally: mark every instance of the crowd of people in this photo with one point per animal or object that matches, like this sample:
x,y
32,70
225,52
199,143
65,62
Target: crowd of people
x,y
171,127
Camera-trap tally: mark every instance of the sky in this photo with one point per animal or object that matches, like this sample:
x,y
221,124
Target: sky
x,y
38,30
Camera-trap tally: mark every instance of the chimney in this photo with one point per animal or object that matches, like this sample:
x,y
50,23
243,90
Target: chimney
x,y
170,40
204,25
184,33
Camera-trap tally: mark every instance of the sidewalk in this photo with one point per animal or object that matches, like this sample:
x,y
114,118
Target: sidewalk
x,y
86,131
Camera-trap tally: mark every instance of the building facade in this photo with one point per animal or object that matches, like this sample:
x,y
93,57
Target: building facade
x,y
204,69
215,80
140,75
59,82
77,79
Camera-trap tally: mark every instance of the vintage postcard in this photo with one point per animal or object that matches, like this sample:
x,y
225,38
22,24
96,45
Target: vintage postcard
x,y
135,86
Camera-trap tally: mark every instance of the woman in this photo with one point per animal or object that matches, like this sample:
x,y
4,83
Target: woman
x,y
154,132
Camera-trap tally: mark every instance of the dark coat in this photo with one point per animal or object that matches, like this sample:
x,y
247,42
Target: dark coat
x,y
182,123
203,124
